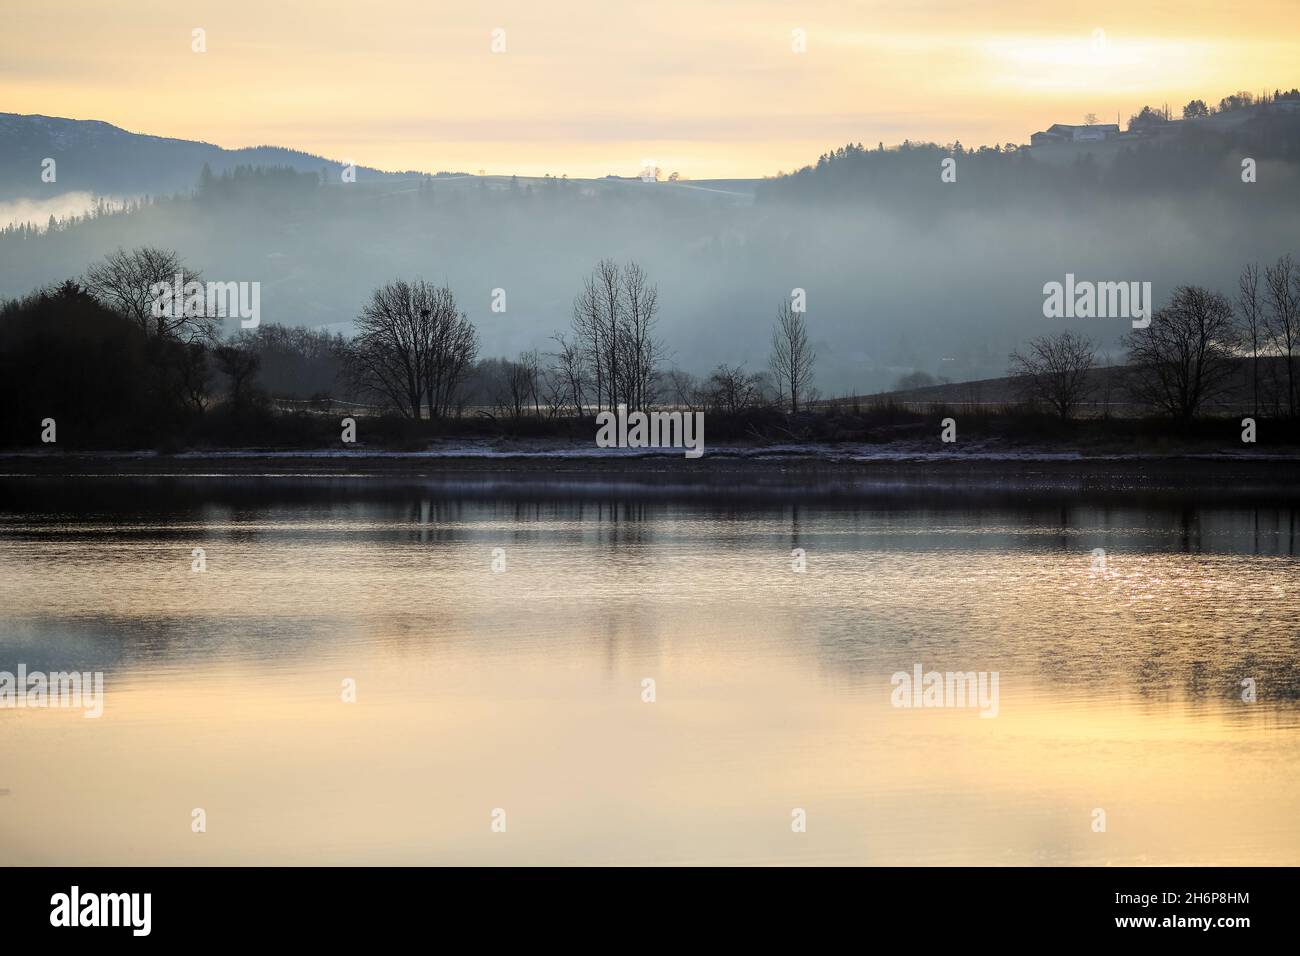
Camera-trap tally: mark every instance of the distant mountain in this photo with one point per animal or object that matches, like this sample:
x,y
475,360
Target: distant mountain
x,y
100,158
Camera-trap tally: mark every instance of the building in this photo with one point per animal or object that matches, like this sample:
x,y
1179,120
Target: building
x,y
1065,133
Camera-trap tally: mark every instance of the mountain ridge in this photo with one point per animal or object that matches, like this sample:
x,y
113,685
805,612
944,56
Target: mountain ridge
x,y
127,163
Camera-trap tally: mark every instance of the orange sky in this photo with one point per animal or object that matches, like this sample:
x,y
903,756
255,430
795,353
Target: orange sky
x,y
709,88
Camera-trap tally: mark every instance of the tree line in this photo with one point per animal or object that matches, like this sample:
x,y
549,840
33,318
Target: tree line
x,y
1200,349
906,176
93,350
414,352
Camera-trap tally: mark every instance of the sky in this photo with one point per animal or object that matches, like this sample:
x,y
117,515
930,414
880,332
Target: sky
x,y
705,88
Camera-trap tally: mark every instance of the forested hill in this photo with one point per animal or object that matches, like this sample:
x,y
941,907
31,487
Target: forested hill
x,y
1158,158
103,159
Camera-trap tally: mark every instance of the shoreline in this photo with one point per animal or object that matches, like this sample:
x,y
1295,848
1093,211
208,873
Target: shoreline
x,y
721,471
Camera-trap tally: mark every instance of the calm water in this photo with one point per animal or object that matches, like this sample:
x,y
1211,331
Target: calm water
x,y
1120,688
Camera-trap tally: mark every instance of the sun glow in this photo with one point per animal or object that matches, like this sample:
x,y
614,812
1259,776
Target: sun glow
x,y
711,93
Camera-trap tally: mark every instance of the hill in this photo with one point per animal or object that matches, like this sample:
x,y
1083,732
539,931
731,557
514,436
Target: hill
x,y
103,159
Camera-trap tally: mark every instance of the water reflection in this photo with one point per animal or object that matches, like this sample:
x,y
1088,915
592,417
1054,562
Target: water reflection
x,y
1121,685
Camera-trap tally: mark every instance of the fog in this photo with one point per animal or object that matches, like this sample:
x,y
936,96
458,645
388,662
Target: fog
x,y
945,278
39,211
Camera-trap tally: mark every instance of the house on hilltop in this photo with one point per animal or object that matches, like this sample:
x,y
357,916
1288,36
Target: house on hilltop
x,y
1066,133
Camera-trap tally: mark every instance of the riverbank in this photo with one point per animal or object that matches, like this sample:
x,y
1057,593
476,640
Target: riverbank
x,y
791,469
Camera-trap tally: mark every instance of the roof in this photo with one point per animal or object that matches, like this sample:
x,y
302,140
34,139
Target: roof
x,y
1065,129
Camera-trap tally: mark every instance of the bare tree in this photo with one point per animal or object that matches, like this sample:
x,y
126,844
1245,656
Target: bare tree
x,y
450,348
597,319
792,358
412,347
1282,292
641,350
587,330
614,318
1055,370
1184,358
1252,324
532,361
553,390
609,299
686,389
516,387
732,390
128,283
569,369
